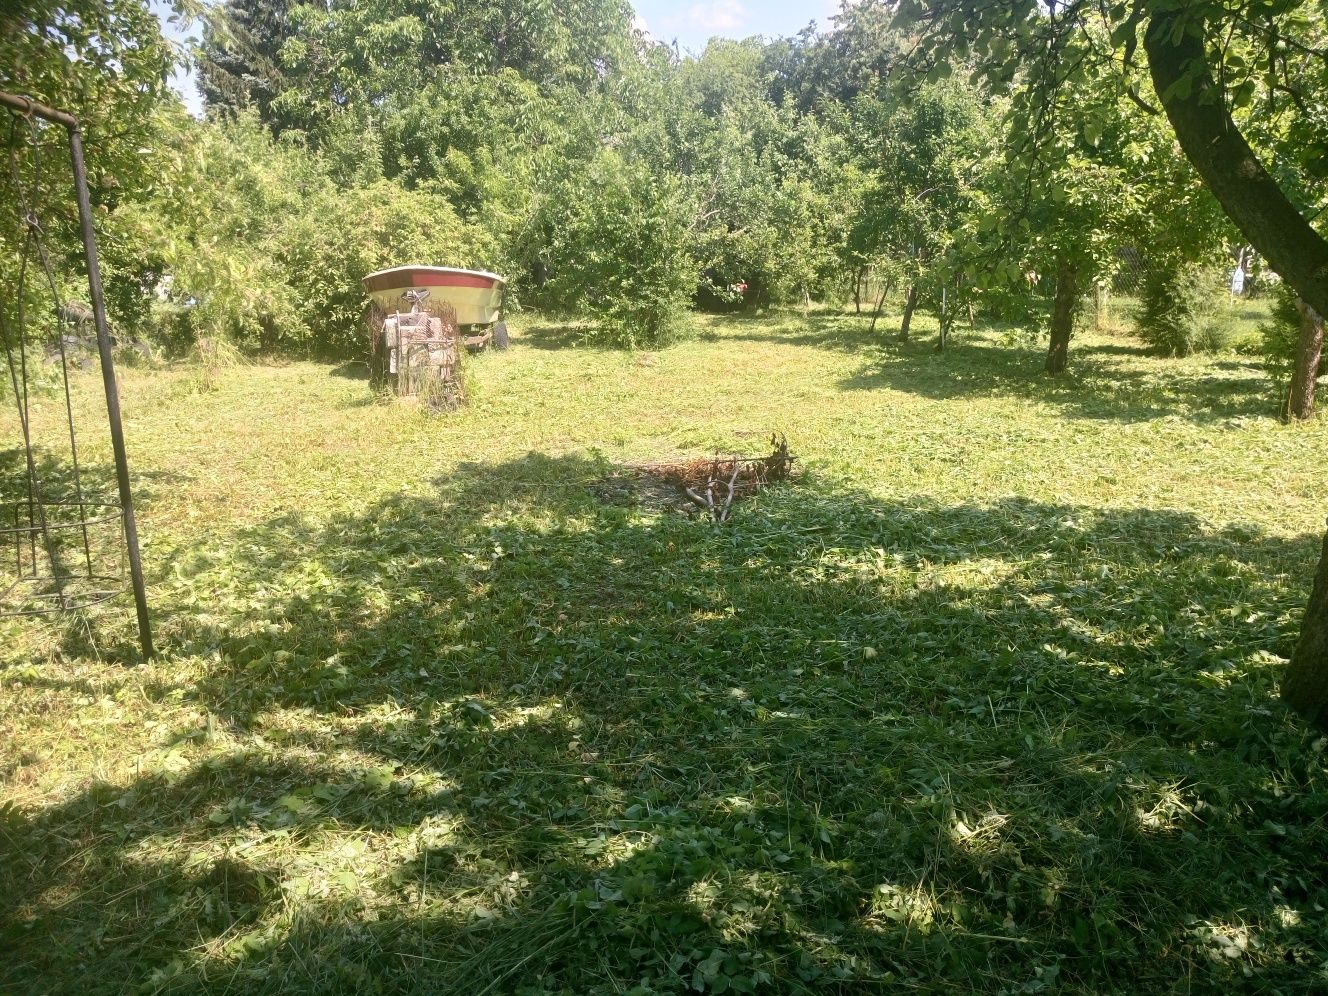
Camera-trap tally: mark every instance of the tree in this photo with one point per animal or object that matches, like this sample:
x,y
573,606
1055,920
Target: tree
x,y
923,155
1196,52
1305,372
619,251
105,62
266,250
764,177
239,62
1293,346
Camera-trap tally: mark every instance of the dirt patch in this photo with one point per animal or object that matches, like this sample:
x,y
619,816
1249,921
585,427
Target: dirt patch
x,y
709,486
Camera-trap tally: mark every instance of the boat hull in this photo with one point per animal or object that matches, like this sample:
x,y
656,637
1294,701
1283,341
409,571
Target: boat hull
x,y
476,295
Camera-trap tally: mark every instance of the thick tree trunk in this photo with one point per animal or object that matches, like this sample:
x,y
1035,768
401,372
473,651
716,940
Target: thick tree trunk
x,y
1305,687
1253,200
1214,145
1305,375
910,306
1062,317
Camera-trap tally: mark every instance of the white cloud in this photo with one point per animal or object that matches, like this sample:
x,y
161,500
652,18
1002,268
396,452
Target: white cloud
x,y
721,16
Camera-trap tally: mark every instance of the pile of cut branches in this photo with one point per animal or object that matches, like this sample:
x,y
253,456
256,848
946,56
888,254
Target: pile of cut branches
x,y
715,483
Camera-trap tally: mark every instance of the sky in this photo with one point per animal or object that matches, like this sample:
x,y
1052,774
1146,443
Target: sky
x,y
693,24
687,22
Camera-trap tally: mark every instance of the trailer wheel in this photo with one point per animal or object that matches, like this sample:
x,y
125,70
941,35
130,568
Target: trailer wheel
x,y
500,338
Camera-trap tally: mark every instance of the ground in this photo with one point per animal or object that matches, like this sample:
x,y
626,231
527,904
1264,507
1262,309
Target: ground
x,y
985,702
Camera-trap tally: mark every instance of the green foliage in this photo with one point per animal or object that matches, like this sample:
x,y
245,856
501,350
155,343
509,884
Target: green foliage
x,y
767,180
1280,334
105,62
619,252
1184,310
265,250
923,157
426,75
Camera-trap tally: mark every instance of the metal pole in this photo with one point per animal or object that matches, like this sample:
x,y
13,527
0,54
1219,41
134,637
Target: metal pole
x,y
26,105
108,379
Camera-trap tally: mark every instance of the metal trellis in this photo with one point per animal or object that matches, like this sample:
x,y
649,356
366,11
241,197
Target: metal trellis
x,y
59,542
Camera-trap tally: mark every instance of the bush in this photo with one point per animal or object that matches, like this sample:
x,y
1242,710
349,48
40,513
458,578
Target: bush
x,y
1280,334
1184,311
265,251
349,233
620,253
1014,303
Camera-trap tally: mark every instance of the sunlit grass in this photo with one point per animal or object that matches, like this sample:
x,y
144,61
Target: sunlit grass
x,y
984,702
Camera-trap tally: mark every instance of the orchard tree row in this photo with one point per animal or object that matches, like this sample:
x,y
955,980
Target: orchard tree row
x,y
615,179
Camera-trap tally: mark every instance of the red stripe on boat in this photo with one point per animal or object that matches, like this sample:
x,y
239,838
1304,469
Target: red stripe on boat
x,y
424,278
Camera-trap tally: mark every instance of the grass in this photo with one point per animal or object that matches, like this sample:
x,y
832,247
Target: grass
x,y
986,702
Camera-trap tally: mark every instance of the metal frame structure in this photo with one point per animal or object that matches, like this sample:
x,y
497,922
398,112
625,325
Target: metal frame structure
x,y
30,108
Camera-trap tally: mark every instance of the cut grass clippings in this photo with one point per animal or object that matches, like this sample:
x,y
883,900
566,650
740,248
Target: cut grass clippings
x,y
985,703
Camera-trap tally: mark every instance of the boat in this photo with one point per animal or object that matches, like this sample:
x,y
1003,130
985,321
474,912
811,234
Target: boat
x,y
475,295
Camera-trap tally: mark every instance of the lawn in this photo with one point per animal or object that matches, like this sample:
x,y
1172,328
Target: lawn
x,y
985,701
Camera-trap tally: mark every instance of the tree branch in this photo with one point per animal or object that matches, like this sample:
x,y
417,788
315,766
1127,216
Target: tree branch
x,y
1219,152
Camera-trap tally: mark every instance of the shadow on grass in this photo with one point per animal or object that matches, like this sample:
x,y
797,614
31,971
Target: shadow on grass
x,y
1106,380
834,330
1097,385
99,549
510,739
568,335
352,370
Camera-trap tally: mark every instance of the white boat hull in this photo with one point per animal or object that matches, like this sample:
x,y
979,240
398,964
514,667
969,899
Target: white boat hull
x,y
475,295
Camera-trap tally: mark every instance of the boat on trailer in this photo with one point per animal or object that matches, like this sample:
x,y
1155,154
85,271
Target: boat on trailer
x,y
421,320
475,295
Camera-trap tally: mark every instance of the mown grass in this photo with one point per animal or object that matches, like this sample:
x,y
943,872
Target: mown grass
x,y
985,702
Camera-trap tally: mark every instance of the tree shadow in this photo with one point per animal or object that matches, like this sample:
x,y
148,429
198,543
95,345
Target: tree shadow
x,y
995,360
1097,386
565,335
833,330
351,370
98,548
508,736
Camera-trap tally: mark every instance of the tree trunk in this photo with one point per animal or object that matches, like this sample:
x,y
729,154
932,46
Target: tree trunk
x,y
1062,317
857,291
880,303
1305,687
1252,199
1218,151
910,305
1305,376
946,316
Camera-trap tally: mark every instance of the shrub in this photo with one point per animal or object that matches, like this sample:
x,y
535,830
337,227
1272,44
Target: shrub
x,y
1184,311
1280,334
265,251
620,253
346,234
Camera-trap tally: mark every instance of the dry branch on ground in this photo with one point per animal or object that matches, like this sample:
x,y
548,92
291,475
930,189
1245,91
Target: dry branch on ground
x,y
715,483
